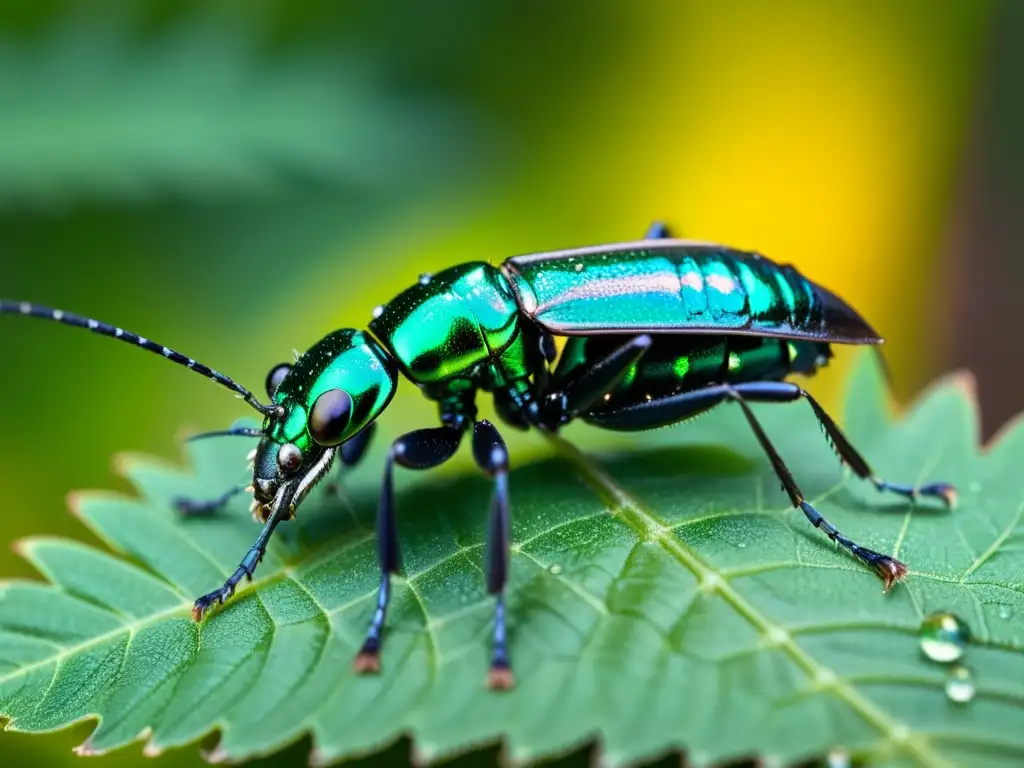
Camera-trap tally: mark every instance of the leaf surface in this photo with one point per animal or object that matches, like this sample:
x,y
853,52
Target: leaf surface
x,y
664,596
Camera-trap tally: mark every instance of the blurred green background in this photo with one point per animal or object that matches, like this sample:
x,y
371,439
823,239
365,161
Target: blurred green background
x,y
235,179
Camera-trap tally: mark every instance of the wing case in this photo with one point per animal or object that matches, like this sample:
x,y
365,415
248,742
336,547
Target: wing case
x,y
678,286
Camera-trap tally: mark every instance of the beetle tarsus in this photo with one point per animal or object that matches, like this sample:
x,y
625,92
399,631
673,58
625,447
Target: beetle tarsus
x,y
203,605
946,492
245,570
367,661
889,569
500,678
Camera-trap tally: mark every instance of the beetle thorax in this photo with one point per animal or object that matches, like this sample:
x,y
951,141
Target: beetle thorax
x,y
462,323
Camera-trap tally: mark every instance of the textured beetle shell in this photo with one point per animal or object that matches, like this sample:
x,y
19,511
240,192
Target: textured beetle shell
x,y
678,286
346,359
462,322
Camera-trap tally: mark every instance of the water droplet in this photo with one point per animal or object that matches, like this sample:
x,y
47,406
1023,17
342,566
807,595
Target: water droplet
x,y
378,311
741,544
578,267
960,685
425,278
839,758
1005,611
944,636
555,569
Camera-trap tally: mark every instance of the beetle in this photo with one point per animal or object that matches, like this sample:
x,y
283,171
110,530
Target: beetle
x,y
656,331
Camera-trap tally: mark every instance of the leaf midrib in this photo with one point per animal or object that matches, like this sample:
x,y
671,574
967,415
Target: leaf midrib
x,y
649,528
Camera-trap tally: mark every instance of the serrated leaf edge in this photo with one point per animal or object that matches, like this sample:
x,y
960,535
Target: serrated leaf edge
x,y
636,516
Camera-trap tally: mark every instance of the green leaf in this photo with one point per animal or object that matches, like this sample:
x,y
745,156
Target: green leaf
x,y
663,597
95,111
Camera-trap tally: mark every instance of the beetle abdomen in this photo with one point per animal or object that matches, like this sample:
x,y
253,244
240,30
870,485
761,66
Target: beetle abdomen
x,y
678,363
678,286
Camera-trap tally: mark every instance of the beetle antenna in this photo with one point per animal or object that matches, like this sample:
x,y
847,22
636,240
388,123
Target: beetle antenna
x,y
104,329
234,431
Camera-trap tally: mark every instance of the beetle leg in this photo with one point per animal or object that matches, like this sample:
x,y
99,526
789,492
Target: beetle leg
x,y
245,568
195,508
351,453
775,392
590,385
888,568
674,408
657,231
491,456
422,449
659,412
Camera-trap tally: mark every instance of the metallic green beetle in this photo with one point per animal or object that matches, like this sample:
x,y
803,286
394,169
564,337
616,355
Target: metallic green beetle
x,y
658,330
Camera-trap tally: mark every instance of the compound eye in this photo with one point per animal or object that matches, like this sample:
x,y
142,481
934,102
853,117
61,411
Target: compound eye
x,y
289,457
329,417
275,377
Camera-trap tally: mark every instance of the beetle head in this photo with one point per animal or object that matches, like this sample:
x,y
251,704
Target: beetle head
x,y
328,396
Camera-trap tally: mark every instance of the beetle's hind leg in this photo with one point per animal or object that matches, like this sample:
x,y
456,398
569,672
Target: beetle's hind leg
x,y
889,569
849,454
777,392
675,408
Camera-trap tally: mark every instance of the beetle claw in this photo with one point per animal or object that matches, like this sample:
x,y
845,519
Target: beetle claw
x,y
890,570
367,663
500,678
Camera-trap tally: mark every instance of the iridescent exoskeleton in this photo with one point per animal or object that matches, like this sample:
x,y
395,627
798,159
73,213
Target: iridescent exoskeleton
x,y
658,331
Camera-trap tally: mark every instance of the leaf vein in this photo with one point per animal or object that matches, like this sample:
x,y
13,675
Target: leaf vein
x,y
649,526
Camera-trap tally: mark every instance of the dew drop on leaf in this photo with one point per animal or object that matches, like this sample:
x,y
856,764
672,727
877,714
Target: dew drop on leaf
x,y
944,636
1005,611
555,569
839,758
960,685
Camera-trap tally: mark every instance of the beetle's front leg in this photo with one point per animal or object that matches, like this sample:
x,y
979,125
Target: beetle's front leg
x,y
246,567
205,507
196,508
422,449
288,496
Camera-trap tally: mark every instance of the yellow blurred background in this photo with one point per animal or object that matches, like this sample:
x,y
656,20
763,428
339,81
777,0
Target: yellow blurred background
x,y
235,179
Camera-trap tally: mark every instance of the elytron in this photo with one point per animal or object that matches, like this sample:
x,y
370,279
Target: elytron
x,y
658,331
